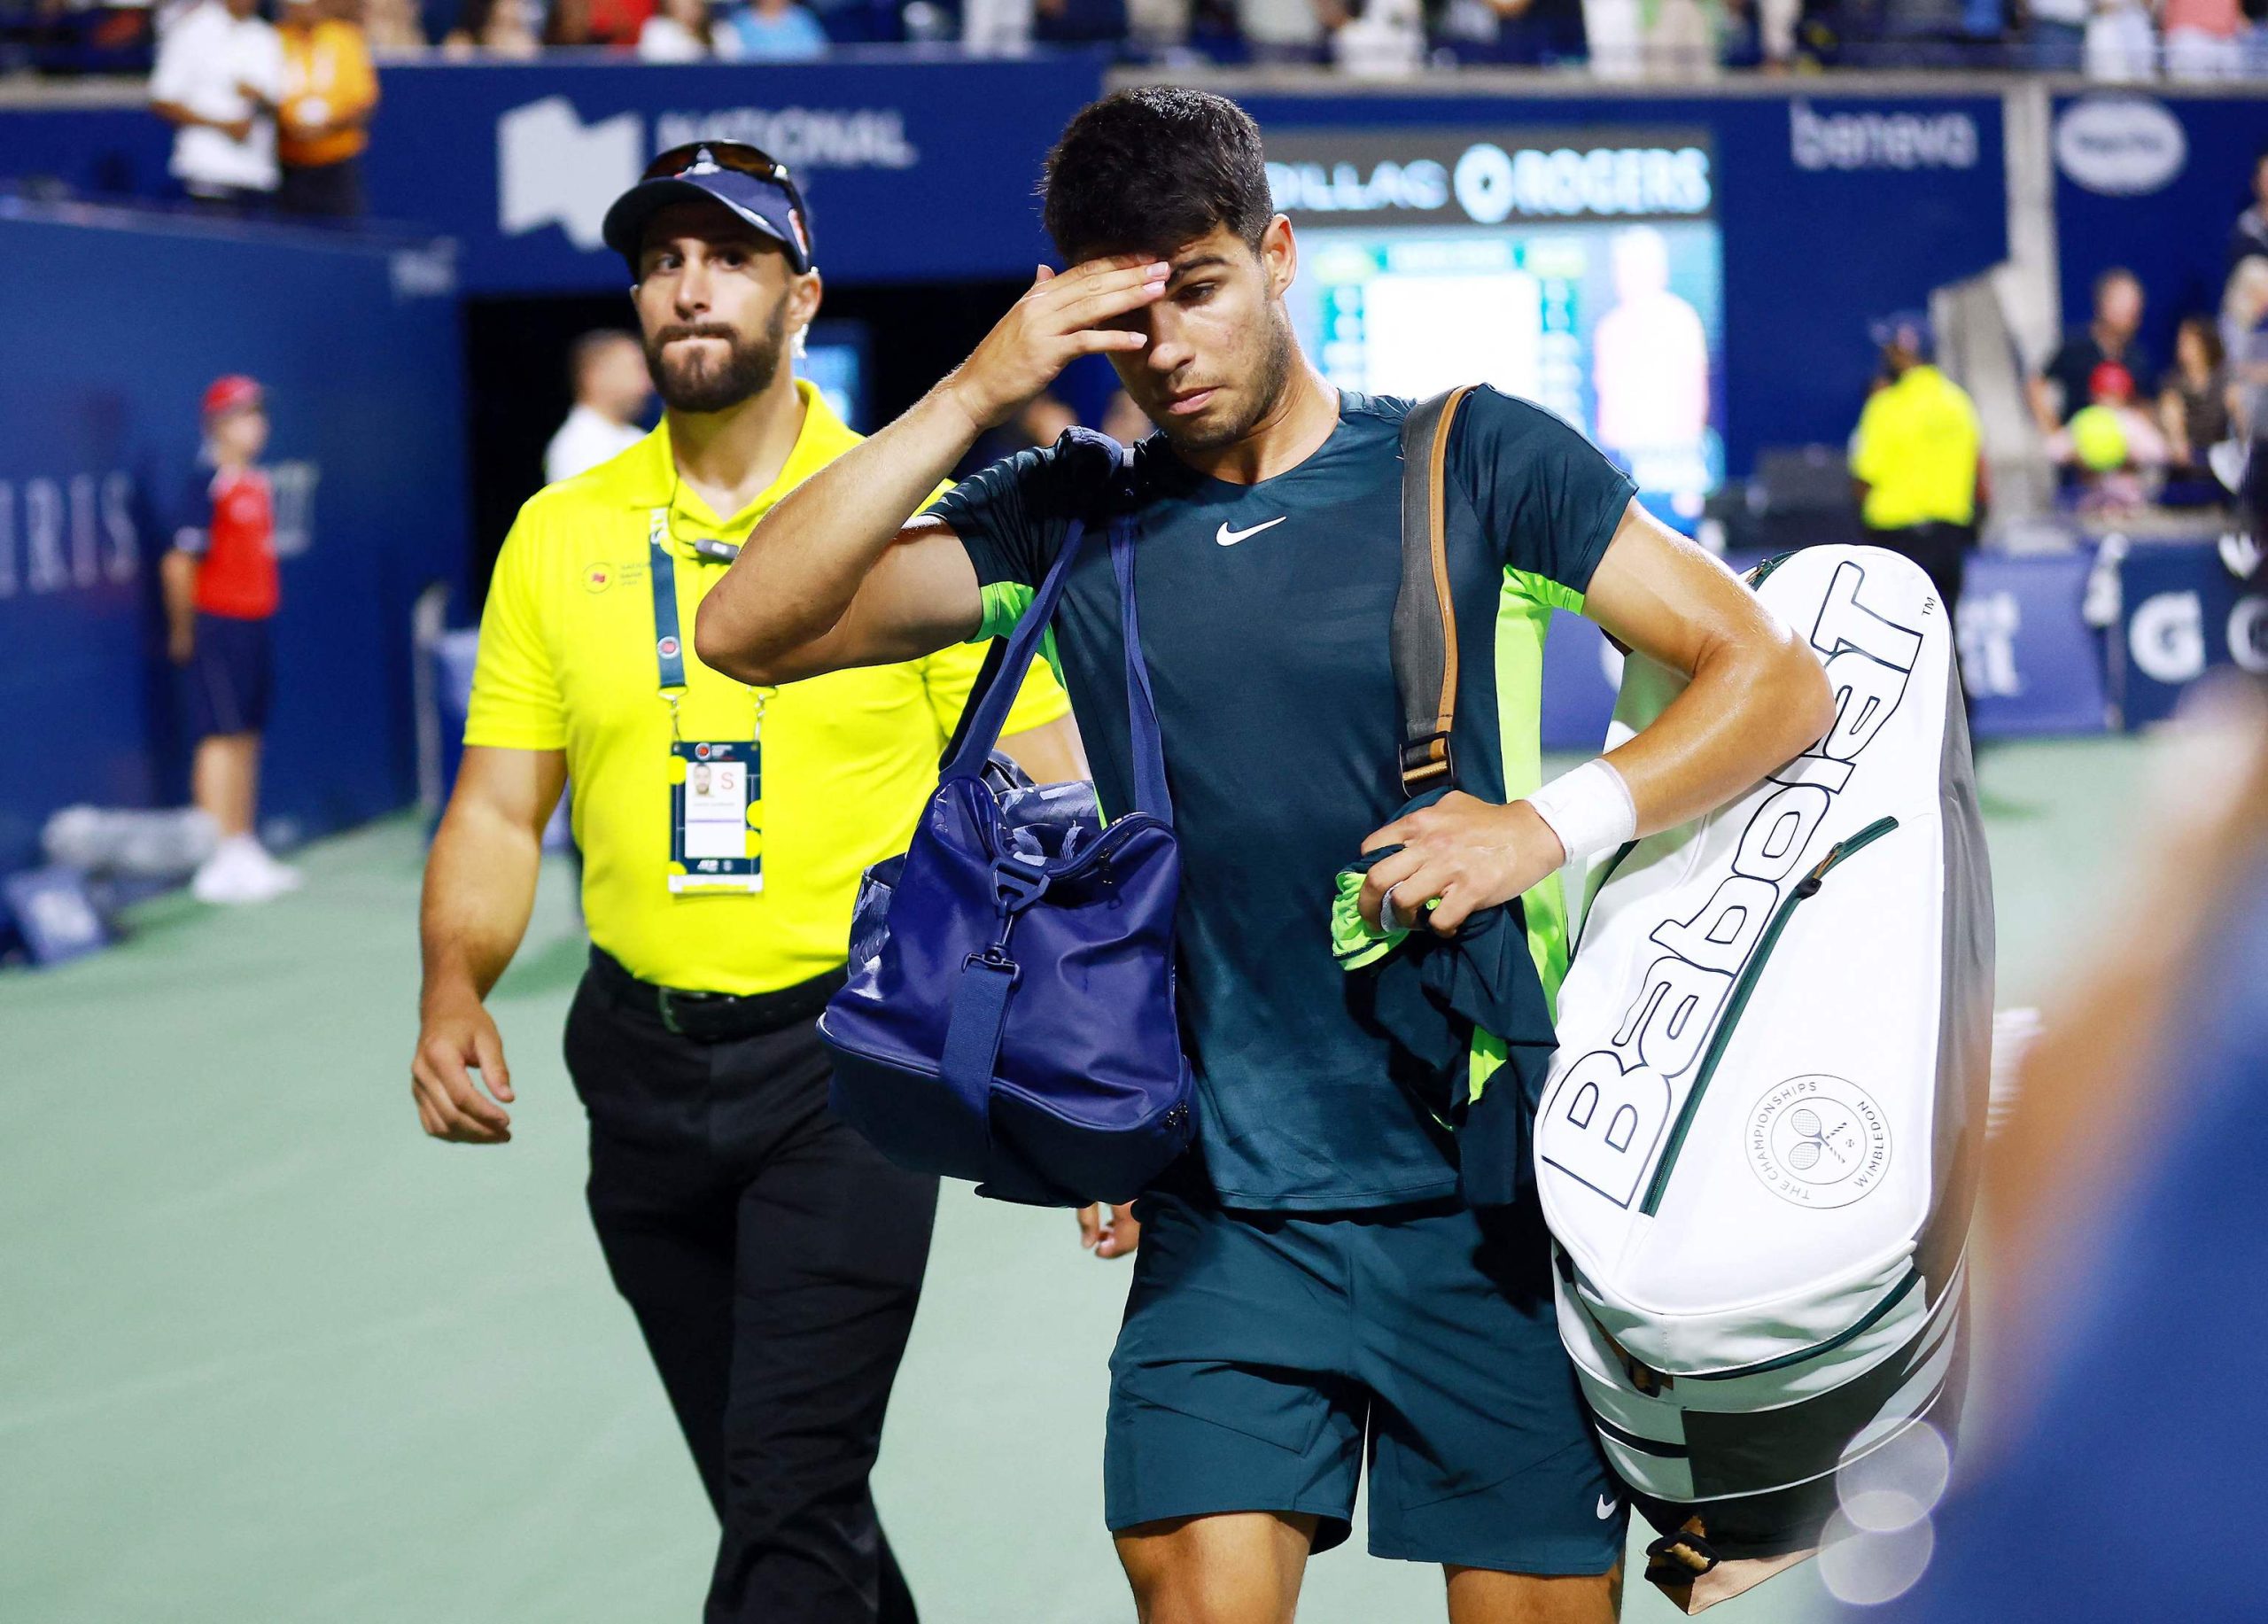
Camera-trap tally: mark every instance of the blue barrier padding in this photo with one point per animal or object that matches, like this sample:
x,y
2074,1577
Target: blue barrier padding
x,y
2032,665
454,657
112,332
2182,613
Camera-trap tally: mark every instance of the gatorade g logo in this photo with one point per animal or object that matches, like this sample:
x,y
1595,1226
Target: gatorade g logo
x,y
2166,637
1604,1121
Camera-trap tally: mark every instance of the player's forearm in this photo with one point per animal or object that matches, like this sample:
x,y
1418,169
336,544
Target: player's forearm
x,y
1748,708
805,561
480,881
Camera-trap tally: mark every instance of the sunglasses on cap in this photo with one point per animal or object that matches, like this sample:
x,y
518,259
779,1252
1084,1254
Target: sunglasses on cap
x,y
752,184
697,156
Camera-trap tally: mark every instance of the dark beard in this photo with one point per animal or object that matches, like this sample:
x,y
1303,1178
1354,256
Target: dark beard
x,y
750,365
1275,373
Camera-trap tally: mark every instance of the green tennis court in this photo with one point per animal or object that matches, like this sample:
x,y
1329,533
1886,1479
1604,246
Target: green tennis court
x,y
268,1353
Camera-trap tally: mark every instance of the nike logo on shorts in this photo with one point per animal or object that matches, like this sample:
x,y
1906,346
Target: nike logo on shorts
x,y
1229,538
1605,1507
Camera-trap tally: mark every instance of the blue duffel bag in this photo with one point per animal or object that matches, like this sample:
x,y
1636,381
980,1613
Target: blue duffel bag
x,y
1009,1016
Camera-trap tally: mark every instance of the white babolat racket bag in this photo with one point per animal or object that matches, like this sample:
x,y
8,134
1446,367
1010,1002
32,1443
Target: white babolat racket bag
x,y
1756,1145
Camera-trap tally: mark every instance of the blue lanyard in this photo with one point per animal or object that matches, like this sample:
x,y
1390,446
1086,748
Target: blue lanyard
x,y
669,643
669,648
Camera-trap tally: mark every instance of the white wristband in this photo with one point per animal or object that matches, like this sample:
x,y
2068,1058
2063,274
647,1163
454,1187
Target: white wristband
x,y
1589,809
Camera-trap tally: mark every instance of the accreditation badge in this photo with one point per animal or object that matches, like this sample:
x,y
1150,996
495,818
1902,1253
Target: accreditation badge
x,y
716,816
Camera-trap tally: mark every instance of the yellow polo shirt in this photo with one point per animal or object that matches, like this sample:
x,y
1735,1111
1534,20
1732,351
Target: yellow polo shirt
x,y
1916,449
567,662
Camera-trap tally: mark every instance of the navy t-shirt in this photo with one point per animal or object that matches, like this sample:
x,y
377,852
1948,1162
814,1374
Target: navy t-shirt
x,y
1265,612
2073,366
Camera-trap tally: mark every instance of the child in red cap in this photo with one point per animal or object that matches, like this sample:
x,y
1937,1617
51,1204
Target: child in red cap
x,y
220,595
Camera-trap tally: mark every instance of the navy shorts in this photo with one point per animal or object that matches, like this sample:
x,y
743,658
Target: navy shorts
x,y
1260,1349
227,681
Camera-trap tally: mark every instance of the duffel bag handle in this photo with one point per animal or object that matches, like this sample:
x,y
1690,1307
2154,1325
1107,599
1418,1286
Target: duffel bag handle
x,y
982,724
1000,680
1147,747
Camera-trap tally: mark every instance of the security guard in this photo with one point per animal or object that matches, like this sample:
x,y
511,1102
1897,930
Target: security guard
x,y
1915,458
771,1257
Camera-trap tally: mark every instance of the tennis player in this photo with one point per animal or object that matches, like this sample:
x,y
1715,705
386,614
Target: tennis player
x,y
1311,1278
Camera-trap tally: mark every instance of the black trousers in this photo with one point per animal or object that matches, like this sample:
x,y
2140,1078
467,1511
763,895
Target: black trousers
x,y
1942,551
230,202
326,191
774,1259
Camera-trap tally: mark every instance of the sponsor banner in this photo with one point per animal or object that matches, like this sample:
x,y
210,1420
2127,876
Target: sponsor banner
x,y
2129,166
2032,665
2121,147
2183,612
1425,176
1790,181
363,385
915,171
1920,137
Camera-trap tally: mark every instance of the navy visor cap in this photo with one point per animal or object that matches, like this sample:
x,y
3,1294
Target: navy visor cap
x,y
744,180
1909,327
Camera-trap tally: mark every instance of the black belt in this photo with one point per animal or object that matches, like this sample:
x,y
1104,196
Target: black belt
x,y
712,1017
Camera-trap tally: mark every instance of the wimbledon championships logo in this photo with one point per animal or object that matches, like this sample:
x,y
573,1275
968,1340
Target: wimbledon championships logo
x,y
1818,1141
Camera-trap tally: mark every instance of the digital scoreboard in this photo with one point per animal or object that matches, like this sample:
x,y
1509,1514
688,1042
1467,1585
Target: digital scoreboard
x,y
1582,271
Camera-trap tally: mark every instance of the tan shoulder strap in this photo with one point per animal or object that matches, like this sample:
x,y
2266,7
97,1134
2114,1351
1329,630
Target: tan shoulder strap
x,y
1425,618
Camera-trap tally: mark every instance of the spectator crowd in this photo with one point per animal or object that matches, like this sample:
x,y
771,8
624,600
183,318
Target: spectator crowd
x,y
2123,432
267,115
2110,40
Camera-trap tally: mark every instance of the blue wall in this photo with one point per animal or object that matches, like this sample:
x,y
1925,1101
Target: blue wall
x,y
111,332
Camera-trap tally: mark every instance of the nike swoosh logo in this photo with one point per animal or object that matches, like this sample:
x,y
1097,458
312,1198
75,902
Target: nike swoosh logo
x,y
1605,1508
1229,538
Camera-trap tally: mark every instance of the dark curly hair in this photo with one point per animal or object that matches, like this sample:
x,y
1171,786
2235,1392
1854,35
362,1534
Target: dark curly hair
x,y
1146,170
